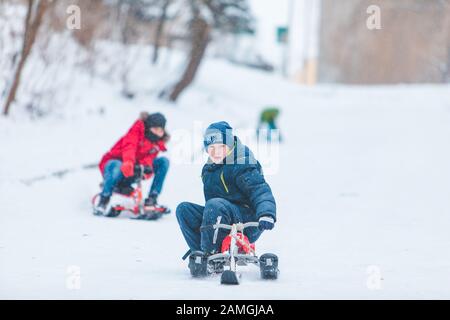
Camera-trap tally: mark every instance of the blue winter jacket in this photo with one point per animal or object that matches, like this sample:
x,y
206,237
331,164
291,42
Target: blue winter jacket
x,y
240,180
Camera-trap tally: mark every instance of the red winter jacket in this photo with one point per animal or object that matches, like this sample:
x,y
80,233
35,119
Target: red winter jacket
x,y
135,147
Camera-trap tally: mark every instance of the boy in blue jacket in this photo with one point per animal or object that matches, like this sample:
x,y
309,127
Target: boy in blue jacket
x,y
235,191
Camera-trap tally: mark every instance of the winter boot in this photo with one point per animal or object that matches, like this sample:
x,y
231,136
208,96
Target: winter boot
x,y
152,206
152,200
100,208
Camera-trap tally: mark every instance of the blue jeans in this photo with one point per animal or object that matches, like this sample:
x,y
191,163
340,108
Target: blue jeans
x,y
196,223
160,168
113,176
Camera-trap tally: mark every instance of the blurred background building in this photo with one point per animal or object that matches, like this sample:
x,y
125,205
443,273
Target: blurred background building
x,y
330,41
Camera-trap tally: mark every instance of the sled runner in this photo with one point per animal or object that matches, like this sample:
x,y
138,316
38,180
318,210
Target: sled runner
x,y
236,251
129,198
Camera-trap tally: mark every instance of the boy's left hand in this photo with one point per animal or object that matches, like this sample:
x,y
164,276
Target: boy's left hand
x,y
266,223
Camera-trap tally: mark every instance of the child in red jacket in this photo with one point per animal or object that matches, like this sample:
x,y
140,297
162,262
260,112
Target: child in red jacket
x,y
141,145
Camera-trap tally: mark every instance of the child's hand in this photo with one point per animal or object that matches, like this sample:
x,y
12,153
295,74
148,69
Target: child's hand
x,y
266,223
127,169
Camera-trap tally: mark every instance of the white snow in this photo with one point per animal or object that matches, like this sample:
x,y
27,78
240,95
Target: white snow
x,y
362,185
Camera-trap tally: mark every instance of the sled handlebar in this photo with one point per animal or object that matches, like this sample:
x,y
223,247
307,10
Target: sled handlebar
x,y
239,226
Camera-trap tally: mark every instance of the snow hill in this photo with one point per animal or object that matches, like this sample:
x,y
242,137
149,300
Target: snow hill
x,y
362,184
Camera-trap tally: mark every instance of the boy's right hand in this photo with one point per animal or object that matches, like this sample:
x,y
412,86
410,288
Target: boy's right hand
x,y
127,169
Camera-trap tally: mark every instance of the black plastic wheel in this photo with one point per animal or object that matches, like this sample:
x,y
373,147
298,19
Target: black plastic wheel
x,y
113,213
198,264
152,216
268,264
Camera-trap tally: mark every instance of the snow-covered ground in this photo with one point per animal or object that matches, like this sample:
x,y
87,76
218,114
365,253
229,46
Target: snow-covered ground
x,y
362,183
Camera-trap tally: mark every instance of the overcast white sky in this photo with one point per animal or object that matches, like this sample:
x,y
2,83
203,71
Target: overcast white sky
x,y
269,14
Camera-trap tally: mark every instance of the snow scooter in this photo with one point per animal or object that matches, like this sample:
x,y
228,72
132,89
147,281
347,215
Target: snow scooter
x,y
236,251
128,197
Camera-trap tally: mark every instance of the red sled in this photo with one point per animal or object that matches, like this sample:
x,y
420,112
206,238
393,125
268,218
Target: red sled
x,y
131,201
242,242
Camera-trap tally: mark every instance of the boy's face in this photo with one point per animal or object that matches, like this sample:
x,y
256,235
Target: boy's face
x,y
158,131
218,152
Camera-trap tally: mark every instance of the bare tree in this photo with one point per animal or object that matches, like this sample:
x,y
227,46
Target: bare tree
x,y
225,15
35,12
200,31
159,29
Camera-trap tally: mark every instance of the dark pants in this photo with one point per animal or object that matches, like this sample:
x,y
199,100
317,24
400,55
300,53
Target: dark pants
x,y
191,217
271,127
113,176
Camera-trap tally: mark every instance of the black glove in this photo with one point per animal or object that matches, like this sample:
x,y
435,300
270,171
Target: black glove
x,y
140,170
266,223
148,170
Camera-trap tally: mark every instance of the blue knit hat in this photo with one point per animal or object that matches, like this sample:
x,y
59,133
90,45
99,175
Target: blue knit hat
x,y
219,133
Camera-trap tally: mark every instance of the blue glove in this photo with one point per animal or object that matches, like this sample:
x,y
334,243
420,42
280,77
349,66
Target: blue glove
x,y
266,223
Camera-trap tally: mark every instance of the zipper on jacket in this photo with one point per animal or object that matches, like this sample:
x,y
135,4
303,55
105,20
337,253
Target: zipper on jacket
x,y
223,182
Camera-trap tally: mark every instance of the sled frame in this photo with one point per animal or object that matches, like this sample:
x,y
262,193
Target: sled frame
x,y
233,258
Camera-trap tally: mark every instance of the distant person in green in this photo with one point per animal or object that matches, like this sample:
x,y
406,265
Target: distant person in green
x,y
267,124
